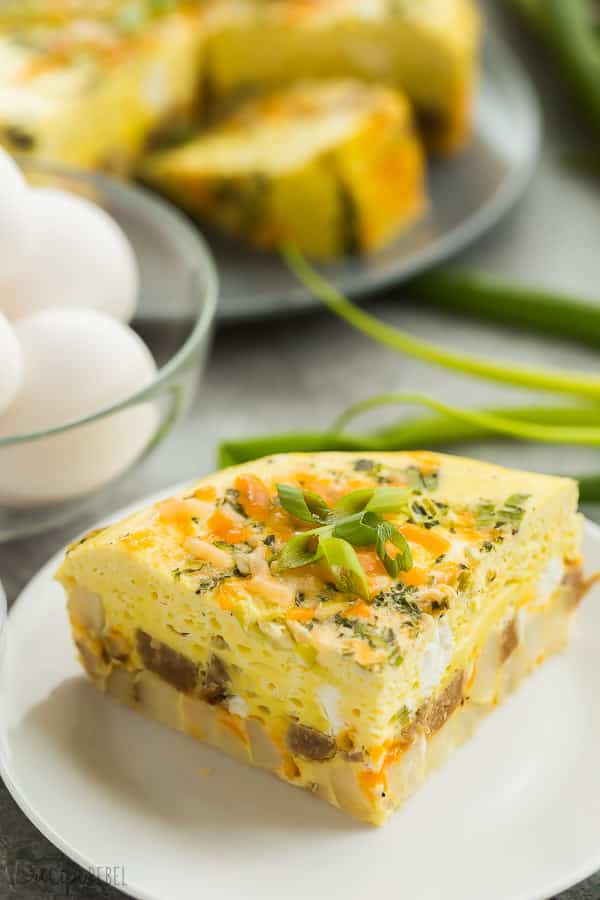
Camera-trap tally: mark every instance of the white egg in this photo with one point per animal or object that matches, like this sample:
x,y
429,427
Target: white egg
x,y
76,362
11,364
15,237
80,257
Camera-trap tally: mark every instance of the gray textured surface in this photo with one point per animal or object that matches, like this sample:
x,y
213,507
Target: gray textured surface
x,y
300,373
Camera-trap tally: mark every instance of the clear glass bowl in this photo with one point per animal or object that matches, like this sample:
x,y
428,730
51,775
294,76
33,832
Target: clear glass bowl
x,y
175,315
3,614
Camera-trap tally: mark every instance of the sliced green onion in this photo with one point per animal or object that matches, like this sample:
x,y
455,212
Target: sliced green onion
x,y
345,567
303,505
354,502
356,531
300,550
404,558
389,500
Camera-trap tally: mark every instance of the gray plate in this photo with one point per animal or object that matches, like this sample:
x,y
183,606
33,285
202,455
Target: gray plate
x,y
469,194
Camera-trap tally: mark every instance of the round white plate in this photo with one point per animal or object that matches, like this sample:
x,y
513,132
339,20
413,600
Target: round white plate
x,y
514,815
469,193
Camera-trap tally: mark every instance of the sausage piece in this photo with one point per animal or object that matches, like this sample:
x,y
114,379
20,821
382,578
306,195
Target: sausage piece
x,y
509,640
216,681
308,743
433,714
168,664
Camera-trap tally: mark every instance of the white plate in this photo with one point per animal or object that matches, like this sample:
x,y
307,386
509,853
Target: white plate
x,y
514,815
469,194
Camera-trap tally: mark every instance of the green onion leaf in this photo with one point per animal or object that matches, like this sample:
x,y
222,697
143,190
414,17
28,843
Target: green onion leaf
x,y
345,567
587,436
404,558
582,384
301,550
354,502
389,500
355,530
517,500
303,505
386,532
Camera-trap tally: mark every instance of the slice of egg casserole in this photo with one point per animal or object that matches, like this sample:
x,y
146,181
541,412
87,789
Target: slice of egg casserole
x,y
428,48
334,166
91,93
343,621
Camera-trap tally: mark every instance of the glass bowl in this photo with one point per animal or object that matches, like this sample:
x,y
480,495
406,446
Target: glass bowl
x,y
175,315
3,613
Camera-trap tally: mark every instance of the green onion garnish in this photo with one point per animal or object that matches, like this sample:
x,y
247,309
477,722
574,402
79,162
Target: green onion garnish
x,y
304,505
355,521
345,566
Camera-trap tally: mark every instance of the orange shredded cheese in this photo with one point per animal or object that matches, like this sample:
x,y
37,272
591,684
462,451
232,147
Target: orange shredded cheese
x,y
415,577
139,540
428,539
254,496
298,614
224,528
370,562
371,782
234,724
359,610
206,492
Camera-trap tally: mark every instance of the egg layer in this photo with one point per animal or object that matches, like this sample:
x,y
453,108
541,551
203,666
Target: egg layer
x,y
61,75
427,48
188,596
334,166
90,93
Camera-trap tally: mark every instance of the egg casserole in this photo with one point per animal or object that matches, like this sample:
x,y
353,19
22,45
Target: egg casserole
x,y
428,48
333,165
91,93
343,621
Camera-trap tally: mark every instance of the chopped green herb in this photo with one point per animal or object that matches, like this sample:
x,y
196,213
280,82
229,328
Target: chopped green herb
x,y
463,581
396,659
232,498
177,573
366,465
422,481
511,512
402,717
398,597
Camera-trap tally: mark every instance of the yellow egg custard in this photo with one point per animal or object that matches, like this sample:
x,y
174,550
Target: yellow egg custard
x,y
428,48
342,620
334,166
91,92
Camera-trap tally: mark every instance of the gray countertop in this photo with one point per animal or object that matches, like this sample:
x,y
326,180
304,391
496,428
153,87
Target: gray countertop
x,y
299,373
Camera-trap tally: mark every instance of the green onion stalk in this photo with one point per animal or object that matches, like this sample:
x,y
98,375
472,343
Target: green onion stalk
x,y
573,425
570,28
